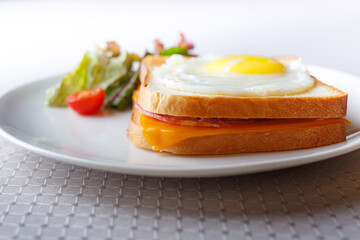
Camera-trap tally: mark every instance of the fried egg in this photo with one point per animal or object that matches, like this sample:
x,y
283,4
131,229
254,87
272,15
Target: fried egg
x,y
242,75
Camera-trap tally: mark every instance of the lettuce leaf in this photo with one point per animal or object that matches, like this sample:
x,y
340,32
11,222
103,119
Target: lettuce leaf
x,y
120,96
98,68
174,50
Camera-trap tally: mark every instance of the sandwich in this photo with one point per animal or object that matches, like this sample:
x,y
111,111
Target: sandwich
x,y
223,105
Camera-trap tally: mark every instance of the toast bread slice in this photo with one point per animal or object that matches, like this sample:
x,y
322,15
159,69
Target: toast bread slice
x,y
322,101
266,140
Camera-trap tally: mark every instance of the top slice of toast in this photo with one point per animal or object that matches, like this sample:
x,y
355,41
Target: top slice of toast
x,y
322,101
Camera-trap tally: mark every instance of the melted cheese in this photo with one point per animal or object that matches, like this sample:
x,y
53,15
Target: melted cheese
x,y
161,135
135,97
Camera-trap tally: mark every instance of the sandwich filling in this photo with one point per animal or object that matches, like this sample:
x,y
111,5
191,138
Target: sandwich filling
x,y
163,131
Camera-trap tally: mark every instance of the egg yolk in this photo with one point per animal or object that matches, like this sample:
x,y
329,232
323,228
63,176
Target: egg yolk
x,y
246,65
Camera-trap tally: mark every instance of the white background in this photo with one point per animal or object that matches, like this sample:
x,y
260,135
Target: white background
x,y
44,38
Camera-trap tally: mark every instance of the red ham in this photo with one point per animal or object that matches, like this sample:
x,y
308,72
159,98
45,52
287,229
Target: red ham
x,y
193,121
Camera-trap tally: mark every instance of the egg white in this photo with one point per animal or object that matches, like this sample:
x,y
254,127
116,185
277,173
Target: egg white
x,y
189,75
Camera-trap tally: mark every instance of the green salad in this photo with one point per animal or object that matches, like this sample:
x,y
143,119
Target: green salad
x,y
106,77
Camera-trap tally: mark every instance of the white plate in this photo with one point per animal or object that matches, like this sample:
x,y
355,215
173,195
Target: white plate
x,y
100,141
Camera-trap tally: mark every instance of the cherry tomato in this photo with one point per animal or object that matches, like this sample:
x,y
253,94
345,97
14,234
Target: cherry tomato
x,y
86,102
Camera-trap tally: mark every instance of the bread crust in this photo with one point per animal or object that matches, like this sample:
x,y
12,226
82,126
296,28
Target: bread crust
x,y
297,106
274,140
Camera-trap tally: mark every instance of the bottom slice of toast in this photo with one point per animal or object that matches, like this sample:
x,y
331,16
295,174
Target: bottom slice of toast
x,y
273,140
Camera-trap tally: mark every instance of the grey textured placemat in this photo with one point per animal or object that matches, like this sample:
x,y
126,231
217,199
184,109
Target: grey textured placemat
x,y
45,199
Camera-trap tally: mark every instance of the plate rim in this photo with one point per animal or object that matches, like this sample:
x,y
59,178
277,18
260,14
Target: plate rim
x,y
204,171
